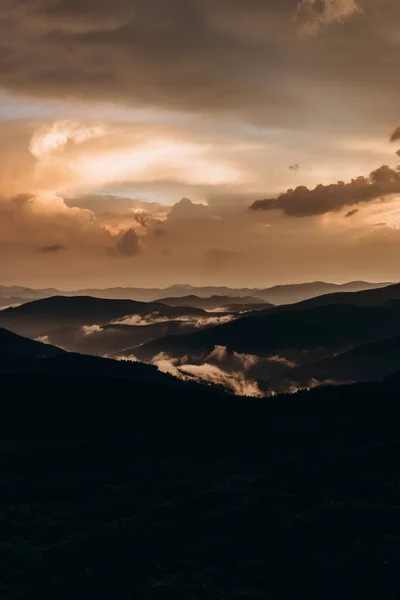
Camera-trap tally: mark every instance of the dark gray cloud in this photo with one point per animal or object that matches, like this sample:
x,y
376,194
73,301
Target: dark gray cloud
x,y
303,202
53,248
224,56
351,213
395,135
128,243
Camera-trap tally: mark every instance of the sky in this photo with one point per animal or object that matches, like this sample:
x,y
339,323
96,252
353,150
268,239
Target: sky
x,y
244,143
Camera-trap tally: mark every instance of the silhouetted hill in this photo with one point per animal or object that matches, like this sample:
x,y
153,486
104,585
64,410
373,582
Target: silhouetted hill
x,y
373,297
21,356
299,335
111,492
115,339
26,293
290,294
15,345
369,362
214,302
41,316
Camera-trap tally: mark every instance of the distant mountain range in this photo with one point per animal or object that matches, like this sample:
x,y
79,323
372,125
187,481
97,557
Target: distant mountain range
x,y
282,294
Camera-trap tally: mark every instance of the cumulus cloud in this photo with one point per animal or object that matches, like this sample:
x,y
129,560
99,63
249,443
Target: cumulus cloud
x,y
128,243
313,15
186,209
303,202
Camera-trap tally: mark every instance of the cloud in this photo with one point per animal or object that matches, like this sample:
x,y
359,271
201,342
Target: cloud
x,y
159,232
222,355
303,202
185,321
201,322
128,243
53,248
395,135
281,360
186,209
51,139
142,217
149,319
91,329
294,167
237,382
313,15
351,213
135,54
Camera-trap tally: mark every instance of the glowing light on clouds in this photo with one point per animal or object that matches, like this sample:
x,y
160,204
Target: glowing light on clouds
x,y
61,168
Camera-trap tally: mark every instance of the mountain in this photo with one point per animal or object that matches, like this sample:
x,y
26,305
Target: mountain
x,y
371,297
214,302
283,294
21,356
39,317
368,362
297,335
15,346
115,339
26,293
290,294
11,301
110,491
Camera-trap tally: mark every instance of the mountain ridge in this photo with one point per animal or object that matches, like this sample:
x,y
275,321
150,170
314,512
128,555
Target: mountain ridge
x,y
278,294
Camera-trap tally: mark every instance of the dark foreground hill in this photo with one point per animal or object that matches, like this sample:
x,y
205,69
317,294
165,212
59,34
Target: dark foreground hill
x,y
111,492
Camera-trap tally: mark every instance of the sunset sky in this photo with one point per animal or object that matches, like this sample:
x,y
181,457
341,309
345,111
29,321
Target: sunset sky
x,y
152,142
